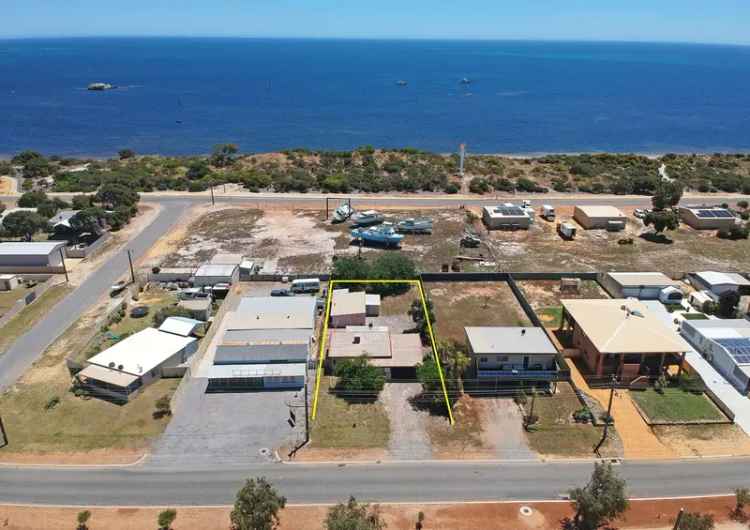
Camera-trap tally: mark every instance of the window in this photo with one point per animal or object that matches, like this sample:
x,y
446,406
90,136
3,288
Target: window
x,y
483,359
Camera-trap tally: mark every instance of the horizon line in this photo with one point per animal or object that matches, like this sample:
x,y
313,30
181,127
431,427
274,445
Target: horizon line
x,y
378,39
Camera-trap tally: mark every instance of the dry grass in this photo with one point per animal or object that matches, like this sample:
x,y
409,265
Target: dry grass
x,y
465,435
460,304
31,314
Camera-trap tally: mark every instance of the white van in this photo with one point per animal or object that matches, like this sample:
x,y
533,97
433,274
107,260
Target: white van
x,y
307,285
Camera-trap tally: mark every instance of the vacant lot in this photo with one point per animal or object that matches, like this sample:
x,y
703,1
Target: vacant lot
x,y
460,304
676,405
545,295
9,298
45,417
341,424
31,314
557,434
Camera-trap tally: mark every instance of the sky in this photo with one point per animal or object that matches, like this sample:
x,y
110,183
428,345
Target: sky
x,y
715,21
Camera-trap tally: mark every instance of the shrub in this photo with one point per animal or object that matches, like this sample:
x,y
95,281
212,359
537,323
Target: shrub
x,y
358,375
52,403
451,188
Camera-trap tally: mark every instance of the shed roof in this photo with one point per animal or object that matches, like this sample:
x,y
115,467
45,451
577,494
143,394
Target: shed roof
x,y
273,312
33,248
108,375
722,278
261,353
381,347
247,371
642,279
600,210
216,269
346,303
623,326
181,326
141,352
509,339
264,336
196,304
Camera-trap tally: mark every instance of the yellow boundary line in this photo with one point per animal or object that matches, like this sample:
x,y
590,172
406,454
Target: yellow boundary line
x,y
324,338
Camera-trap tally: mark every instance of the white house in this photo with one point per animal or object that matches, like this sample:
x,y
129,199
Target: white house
x,y
134,362
717,283
725,344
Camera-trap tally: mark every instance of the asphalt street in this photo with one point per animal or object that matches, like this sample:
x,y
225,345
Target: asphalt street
x,y
30,346
427,481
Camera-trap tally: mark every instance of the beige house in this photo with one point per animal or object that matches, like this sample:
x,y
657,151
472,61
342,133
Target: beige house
x,y
397,353
621,337
600,217
707,217
348,308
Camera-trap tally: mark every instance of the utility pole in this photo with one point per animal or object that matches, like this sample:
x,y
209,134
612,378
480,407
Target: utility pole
x,y
65,269
307,416
679,519
132,272
609,415
213,201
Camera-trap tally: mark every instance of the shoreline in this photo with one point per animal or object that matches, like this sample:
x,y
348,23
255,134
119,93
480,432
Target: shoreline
x,y
516,156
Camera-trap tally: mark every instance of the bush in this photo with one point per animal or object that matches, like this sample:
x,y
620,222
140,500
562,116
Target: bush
x,y
583,415
451,188
479,185
163,407
52,403
358,375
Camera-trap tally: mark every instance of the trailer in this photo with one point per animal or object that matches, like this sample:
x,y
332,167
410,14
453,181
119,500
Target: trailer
x,y
548,212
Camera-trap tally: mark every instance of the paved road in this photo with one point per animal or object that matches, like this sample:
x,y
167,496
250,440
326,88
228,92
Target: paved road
x,y
387,482
29,347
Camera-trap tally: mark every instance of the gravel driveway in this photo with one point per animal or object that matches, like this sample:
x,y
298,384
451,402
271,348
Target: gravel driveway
x,y
409,440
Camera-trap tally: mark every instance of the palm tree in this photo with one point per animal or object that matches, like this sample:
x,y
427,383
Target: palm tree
x,y
453,355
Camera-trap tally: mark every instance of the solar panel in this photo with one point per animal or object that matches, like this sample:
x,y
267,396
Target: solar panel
x,y
722,213
705,213
738,348
509,210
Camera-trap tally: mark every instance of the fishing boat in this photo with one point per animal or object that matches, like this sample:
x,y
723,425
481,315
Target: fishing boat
x,y
366,218
465,81
98,87
342,213
401,82
381,235
420,225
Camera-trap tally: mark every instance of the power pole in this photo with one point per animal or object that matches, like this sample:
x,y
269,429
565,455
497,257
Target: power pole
x,y
609,415
132,272
65,269
213,201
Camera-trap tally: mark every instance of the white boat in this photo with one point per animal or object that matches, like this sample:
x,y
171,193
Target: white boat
x,y
342,213
380,235
366,218
97,87
465,81
420,225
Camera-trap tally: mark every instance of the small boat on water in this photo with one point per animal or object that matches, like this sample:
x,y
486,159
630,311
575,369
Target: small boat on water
x,y
98,87
381,235
465,81
366,218
401,82
342,213
419,225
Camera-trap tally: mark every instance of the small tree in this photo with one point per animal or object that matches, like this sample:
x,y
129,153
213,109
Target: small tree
x,y
166,518
32,199
696,521
257,506
455,359
354,516
420,521
417,314
163,407
358,375
89,219
662,220
224,155
124,154
742,499
728,301
24,224
601,500
83,520
667,194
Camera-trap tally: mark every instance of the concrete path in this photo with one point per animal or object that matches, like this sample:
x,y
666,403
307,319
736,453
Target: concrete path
x,y
409,439
729,395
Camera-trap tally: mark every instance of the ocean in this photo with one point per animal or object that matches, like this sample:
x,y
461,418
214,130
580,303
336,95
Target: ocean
x,y
184,95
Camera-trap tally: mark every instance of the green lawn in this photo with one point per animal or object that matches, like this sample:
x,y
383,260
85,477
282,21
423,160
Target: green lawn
x,y
694,316
29,315
676,405
551,317
556,433
344,425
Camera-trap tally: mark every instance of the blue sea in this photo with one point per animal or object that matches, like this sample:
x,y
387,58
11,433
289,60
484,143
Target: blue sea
x,y
182,96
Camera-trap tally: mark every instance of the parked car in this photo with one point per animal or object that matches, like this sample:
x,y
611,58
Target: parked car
x,y
139,311
280,292
117,288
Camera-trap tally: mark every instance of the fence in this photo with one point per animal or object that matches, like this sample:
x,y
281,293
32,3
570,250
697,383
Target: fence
x,y
84,252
